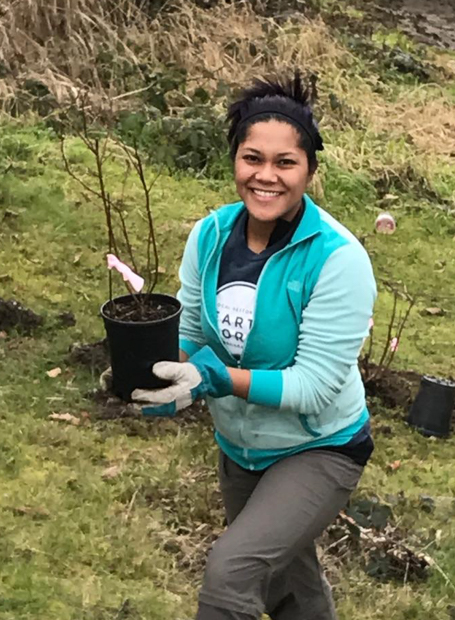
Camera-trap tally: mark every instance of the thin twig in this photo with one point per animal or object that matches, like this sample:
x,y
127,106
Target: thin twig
x,y
124,228
71,173
131,504
390,329
432,562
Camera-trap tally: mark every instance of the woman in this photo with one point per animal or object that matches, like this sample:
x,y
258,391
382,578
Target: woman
x,y
277,297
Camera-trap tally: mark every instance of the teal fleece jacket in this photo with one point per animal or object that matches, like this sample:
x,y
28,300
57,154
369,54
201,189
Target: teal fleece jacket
x,y
314,300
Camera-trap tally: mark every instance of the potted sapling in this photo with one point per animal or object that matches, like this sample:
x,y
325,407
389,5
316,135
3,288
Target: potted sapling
x,y
141,325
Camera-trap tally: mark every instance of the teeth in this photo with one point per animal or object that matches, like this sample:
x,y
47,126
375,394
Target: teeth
x,y
261,192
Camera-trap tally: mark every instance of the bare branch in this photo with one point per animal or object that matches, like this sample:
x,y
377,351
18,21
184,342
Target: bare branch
x,y
151,240
102,148
71,173
390,329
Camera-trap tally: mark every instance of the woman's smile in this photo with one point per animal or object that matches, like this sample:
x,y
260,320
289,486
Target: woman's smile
x,y
265,195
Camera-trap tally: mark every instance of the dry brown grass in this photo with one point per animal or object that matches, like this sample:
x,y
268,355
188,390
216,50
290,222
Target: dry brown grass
x,y
103,45
232,43
62,44
59,42
428,119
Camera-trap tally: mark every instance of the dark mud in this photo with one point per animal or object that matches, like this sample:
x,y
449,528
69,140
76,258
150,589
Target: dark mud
x,y
427,21
130,420
14,316
66,319
93,355
394,388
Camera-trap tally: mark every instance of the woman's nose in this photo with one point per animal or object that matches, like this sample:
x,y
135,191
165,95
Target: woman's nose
x,y
266,173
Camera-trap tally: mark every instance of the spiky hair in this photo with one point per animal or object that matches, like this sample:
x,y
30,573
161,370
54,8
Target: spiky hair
x,y
284,98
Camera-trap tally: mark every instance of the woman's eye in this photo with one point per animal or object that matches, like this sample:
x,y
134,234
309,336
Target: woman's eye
x,y
286,162
250,158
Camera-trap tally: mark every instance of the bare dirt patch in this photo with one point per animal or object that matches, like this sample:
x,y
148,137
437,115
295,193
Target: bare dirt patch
x,y
14,316
94,355
395,388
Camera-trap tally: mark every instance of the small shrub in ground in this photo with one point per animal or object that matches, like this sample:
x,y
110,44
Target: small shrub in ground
x,y
192,139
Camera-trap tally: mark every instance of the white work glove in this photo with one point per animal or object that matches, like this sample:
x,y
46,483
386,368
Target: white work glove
x,y
204,373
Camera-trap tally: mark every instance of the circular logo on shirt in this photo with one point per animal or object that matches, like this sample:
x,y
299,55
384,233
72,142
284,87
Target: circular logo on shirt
x,y
235,305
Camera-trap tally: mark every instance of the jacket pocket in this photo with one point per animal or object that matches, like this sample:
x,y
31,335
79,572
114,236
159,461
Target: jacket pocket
x,y
304,422
294,293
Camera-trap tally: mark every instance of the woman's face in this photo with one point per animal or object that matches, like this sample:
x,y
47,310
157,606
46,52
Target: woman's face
x,y
271,171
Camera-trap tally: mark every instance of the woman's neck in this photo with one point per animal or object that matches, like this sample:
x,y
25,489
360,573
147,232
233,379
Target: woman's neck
x,y
258,234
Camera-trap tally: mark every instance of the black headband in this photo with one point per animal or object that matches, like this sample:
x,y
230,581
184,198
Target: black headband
x,y
288,117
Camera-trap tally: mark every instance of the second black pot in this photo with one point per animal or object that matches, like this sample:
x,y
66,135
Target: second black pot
x,y
431,411
136,346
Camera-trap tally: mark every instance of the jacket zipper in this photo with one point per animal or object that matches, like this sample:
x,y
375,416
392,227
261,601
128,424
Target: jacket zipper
x,y
257,291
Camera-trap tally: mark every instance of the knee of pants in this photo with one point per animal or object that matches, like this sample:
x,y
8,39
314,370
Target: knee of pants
x,y
230,570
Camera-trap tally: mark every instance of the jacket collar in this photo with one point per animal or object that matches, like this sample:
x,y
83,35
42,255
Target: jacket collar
x,y
309,226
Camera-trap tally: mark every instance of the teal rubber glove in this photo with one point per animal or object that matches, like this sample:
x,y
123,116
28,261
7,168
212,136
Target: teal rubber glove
x,y
203,374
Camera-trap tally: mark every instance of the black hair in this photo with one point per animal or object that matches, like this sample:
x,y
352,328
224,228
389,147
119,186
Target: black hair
x,y
283,99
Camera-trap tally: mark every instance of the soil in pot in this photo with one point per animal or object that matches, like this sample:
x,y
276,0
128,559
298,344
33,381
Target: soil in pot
x,y
141,331
139,310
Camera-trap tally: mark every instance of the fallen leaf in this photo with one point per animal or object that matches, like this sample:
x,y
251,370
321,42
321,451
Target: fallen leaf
x,y
3,335
55,372
9,213
36,512
395,465
111,472
76,259
435,311
65,417
441,265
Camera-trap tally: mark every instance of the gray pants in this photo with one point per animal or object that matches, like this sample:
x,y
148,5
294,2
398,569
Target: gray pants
x,y
266,560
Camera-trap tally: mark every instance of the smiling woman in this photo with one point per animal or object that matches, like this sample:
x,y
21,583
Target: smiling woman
x,y
277,297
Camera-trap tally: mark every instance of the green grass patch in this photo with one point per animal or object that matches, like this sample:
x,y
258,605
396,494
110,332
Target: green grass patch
x,y
112,518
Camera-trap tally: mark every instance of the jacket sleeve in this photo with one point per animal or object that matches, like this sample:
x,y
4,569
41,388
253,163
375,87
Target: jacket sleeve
x,y
332,330
191,338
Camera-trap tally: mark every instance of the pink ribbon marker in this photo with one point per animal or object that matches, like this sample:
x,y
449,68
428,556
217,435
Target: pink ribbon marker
x,y
394,344
128,274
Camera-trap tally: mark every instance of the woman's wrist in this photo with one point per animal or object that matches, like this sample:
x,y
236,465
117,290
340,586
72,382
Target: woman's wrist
x,y
183,356
241,379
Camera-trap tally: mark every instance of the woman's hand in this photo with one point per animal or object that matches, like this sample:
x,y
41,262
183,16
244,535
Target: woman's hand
x,y
203,374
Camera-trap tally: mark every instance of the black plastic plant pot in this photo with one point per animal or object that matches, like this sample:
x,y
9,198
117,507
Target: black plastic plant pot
x,y
135,346
431,411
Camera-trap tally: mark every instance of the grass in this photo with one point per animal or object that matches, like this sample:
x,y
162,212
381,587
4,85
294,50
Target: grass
x,y
77,543
111,518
